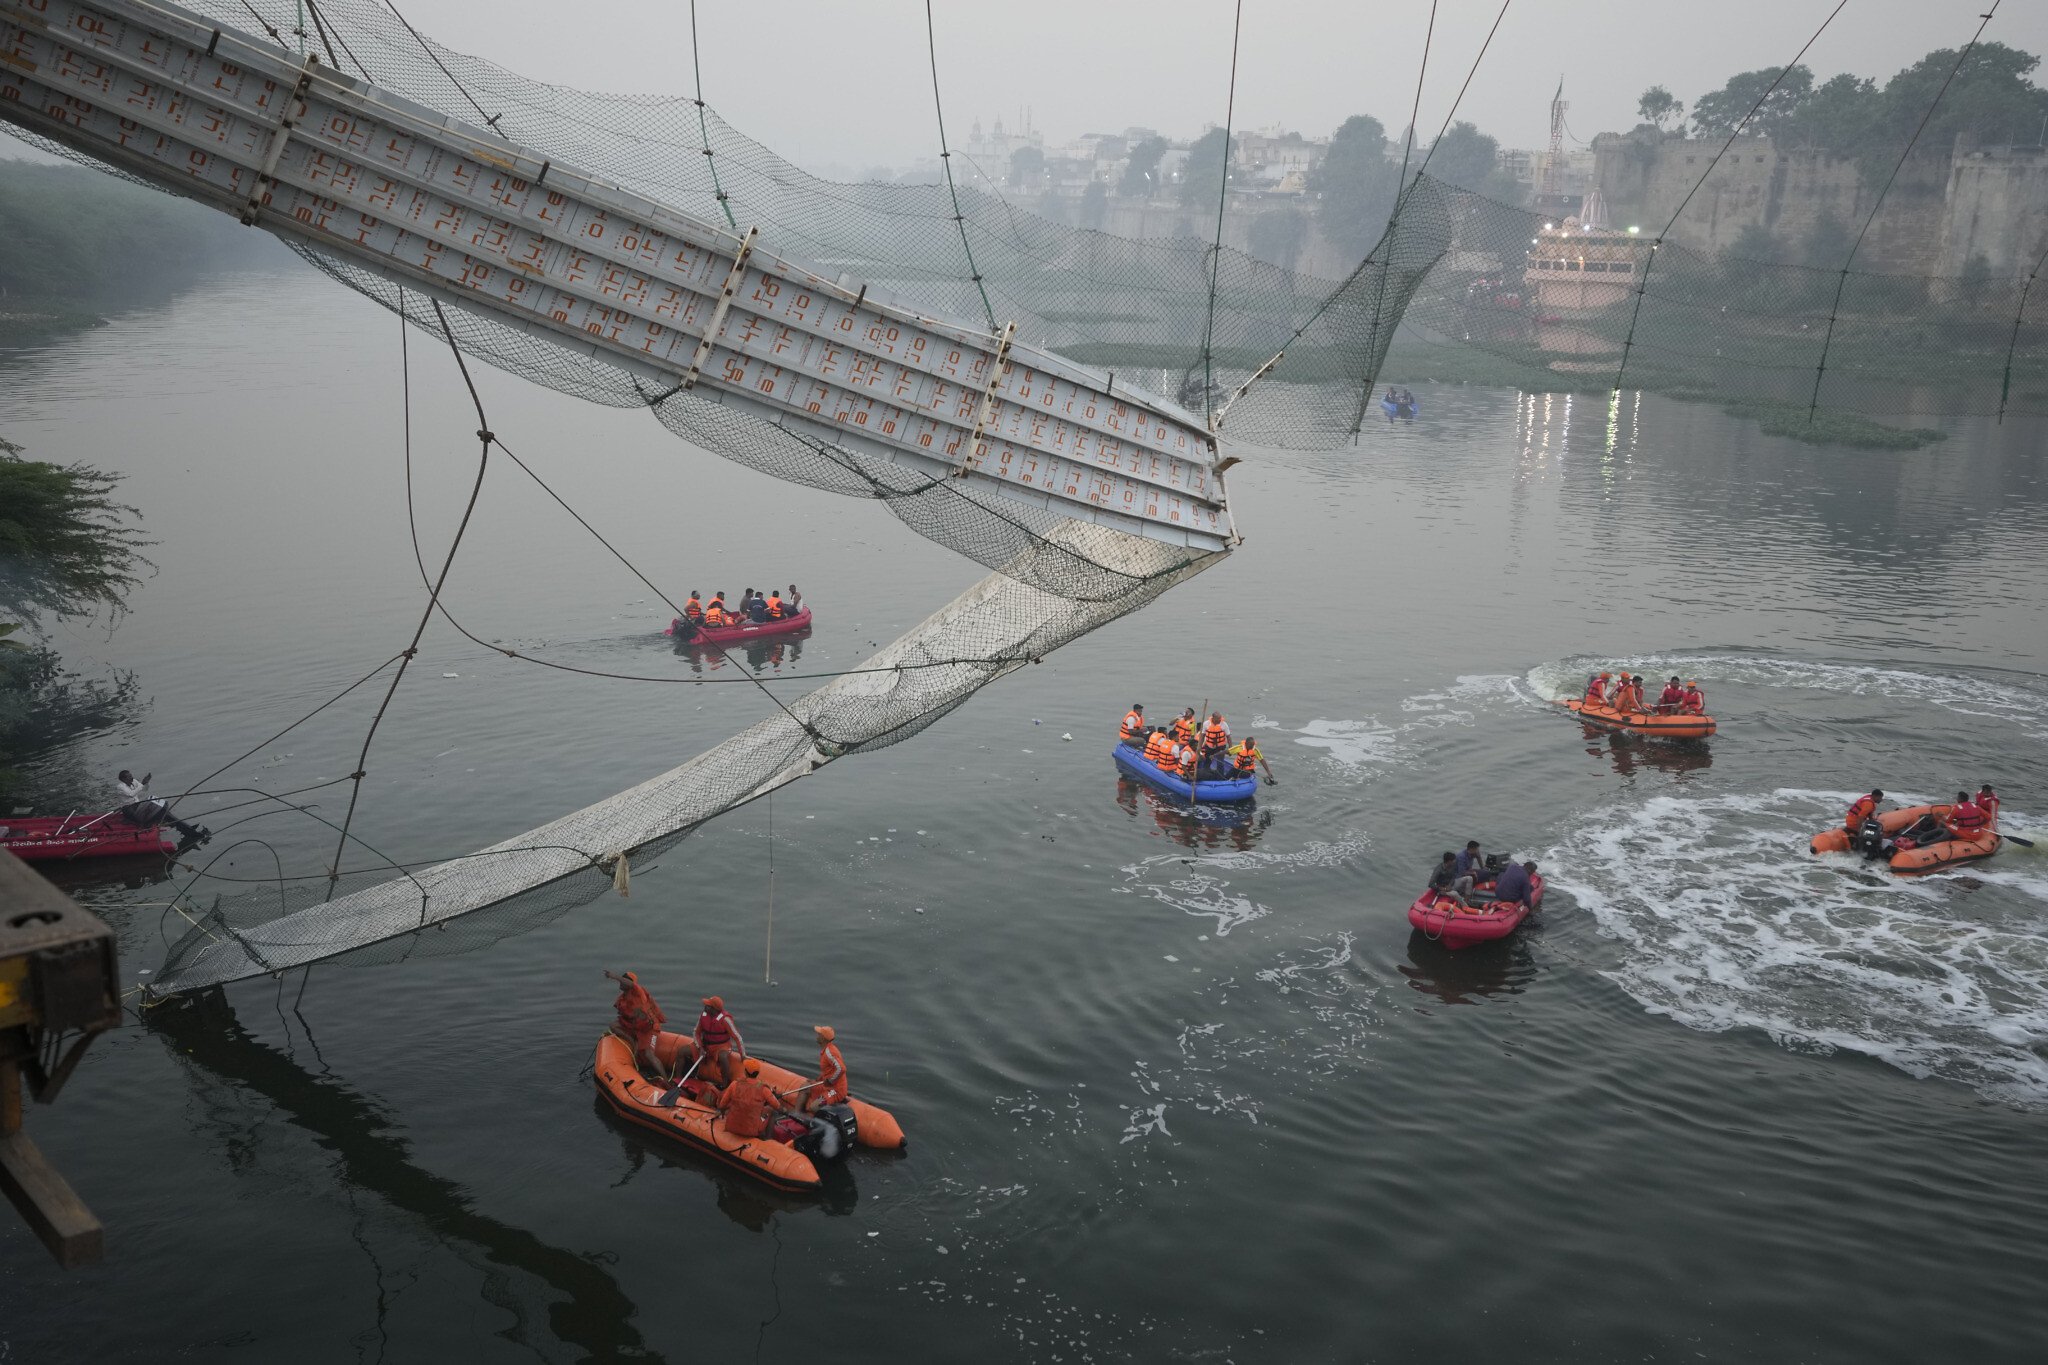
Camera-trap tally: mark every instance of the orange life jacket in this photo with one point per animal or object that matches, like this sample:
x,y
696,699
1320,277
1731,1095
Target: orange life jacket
x,y
1596,690
1695,701
1988,803
1167,757
1215,735
1184,729
693,609
714,1030
715,614
1134,725
1187,760
1862,810
1967,819
638,1014
775,606
1628,697
749,1107
1247,759
831,1074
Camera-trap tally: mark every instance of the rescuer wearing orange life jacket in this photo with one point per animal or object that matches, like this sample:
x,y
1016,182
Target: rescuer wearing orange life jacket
x,y
831,1084
1215,736
775,612
639,1020
747,1106
693,610
1596,689
1159,750
1185,761
716,614
1246,759
1988,802
1133,731
1695,703
1185,725
1863,808
719,1044
1966,819
1671,698
1628,694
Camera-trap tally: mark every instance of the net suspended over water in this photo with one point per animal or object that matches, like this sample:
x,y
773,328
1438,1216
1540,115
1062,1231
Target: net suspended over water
x,y
1557,303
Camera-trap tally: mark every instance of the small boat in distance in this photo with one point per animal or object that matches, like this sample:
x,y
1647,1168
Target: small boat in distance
x,y
741,632
1679,725
1220,790
108,834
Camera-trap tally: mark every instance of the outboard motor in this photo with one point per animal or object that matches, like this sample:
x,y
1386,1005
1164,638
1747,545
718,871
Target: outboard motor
x,y
1870,839
833,1129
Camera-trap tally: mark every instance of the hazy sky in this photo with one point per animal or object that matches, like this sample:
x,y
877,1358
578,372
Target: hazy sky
x,y
847,83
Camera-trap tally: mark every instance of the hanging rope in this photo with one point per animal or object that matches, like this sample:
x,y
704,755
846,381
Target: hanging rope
x,y
1649,262
2019,315
1842,280
946,160
768,955
1222,199
490,120
433,597
704,128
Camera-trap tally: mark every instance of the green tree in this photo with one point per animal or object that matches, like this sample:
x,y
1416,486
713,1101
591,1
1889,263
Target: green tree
x,y
66,547
1719,112
1201,175
1141,171
1355,185
1991,99
1278,235
1747,264
1836,118
1658,107
1094,205
1827,243
1469,159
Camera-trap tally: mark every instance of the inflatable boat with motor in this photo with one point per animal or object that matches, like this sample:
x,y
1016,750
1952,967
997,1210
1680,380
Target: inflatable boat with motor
x,y
741,633
1678,726
790,1165
1441,918
1910,840
1220,791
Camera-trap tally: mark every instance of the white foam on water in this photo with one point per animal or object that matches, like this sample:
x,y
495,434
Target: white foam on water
x,y
2018,703
1364,745
1728,922
1192,885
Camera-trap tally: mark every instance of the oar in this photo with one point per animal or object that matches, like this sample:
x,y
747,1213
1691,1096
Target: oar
x,y
2023,843
1196,776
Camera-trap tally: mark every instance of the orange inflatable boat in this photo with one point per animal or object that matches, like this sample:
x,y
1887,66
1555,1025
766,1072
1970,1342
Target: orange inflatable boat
x,y
674,1115
1678,726
1905,853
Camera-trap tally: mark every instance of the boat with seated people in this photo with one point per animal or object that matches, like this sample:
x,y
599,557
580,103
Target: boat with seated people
x,y
676,1113
740,632
1910,840
1443,920
1398,407
1218,790
1672,725
108,834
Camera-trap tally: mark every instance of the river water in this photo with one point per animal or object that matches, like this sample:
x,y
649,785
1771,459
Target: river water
x,y
1177,1089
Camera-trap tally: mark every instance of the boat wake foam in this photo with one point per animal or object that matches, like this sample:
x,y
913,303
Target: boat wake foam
x,y
1727,922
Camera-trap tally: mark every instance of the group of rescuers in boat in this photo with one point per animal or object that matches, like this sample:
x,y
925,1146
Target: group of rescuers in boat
x,y
1194,750
723,1077
753,608
1967,819
1505,881
1625,694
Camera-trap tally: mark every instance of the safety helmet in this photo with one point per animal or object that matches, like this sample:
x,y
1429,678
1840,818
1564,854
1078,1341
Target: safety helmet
x,y
825,1033
753,1067
713,1002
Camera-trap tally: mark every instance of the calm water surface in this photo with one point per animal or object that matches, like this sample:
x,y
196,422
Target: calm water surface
x,y
1177,1088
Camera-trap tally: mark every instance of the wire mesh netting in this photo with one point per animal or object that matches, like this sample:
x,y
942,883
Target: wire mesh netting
x,y
1549,304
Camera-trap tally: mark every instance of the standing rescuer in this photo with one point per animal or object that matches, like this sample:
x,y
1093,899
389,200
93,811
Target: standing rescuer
x,y
639,1020
831,1086
718,1040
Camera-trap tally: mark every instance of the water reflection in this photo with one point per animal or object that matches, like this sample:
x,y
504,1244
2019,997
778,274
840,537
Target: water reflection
x,y
746,1202
77,876
769,655
1470,975
1201,826
1626,753
573,1300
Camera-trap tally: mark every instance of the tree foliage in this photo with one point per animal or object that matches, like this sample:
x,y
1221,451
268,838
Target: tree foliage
x,y
1141,171
1469,159
1355,185
1719,112
1278,235
1026,164
1094,205
66,547
1201,175
1658,107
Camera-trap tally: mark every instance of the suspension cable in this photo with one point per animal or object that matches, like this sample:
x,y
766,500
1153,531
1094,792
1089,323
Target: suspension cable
x,y
703,128
946,161
1222,199
490,120
1842,280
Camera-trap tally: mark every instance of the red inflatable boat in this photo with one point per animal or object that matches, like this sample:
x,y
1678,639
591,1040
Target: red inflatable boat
x,y
740,634
106,835
1441,918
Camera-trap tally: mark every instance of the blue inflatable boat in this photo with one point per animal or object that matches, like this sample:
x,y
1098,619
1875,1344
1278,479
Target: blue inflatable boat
x,y
1135,765
1393,409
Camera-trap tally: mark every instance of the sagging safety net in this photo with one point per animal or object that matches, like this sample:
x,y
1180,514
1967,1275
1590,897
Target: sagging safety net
x,y
1452,270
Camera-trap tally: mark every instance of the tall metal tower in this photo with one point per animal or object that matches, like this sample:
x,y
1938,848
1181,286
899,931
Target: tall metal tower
x,y
1553,159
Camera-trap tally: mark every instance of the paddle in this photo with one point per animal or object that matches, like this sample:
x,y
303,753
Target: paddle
x,y
2023,843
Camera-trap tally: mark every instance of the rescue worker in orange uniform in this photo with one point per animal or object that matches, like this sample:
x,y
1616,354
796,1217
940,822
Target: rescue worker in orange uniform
x,y
1133,731
1596,689
1628,694
1185,761
1695,703
1159,750
775,612
1185,725
639,1021
716,614
748,1107
1988,802
1863,808
693,610
831,1083
718,1041
1966,819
